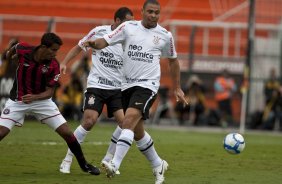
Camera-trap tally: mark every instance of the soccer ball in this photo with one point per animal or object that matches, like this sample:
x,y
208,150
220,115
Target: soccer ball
x,y
234,143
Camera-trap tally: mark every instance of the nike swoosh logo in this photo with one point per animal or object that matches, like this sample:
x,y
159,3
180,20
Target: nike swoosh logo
x,y
162,169
138,103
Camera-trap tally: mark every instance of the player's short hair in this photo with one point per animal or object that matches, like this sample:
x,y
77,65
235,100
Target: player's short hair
x,y
150,2
48,39
122,12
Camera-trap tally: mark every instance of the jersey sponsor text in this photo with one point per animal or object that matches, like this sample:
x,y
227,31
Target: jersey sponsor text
x,y
105,81
134,52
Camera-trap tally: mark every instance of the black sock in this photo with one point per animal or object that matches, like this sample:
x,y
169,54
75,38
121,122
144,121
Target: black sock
x,y
76,150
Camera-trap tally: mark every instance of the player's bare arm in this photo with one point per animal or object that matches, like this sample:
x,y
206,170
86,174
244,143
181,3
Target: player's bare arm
x,y
28,98
99,43
175,75
70,55
11,53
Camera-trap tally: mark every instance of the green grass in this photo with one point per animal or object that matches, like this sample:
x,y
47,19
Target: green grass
x,y
28,156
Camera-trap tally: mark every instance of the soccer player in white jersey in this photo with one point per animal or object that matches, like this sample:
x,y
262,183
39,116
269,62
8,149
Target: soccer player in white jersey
x,y
144,43
103,85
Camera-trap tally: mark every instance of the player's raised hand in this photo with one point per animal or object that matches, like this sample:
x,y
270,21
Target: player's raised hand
x,y
180,97
63,68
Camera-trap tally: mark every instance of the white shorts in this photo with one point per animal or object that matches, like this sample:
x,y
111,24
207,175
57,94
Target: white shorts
x,y
45,111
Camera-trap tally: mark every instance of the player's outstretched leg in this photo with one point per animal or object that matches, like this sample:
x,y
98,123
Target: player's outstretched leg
x,y
123,145
146,146
111,149
80,134
75,148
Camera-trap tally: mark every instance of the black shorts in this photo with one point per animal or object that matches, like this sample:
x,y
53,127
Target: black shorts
x,y
138,98
95,98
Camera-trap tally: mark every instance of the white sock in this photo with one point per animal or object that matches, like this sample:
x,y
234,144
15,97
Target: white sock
x,y
146,146
112,147
124,142
80,134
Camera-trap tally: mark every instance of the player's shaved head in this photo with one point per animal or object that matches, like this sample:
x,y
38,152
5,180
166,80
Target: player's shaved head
x,y
150,2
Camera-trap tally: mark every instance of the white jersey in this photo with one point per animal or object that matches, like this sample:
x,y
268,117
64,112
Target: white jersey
x,y
143,49
107,63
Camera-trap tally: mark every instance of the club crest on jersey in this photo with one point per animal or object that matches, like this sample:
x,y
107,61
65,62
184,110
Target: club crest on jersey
x,y
44,69
156,40
91,100
6,111
26,64
56,78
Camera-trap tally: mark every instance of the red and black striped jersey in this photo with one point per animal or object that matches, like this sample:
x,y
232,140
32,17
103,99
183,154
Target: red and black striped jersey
x,y
33,77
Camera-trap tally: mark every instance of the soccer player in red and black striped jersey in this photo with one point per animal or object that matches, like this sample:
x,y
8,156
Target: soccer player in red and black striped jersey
x,y
34,73
36,78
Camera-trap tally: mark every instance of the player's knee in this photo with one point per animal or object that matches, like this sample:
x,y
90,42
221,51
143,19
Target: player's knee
x,y
64,131
129,123
119,122
89,122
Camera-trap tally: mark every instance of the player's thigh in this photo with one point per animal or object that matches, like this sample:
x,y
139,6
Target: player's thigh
x,y
93,101
141,99
114,105
13,114
47,112
131,118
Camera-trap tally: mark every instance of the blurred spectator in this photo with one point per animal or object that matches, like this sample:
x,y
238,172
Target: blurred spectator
x,y
254,120
81,69
8,68
165,107
272,110
71,99
195,90
224,87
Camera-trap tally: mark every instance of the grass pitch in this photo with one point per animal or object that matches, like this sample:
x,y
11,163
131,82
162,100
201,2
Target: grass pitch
x,y
33,153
